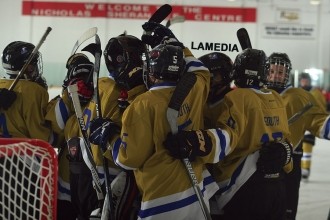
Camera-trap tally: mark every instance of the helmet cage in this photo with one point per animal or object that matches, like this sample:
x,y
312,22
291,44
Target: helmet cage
x,y
122,55
278,70
116,58
14,57
82,71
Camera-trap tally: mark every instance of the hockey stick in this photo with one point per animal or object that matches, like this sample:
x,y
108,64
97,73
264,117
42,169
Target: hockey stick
x,y
32,55
296,116
95,49
85,36
175,20
159,15
243,38
85,149
180,93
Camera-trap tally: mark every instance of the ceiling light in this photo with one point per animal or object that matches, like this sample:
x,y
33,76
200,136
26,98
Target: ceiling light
x,y
315,2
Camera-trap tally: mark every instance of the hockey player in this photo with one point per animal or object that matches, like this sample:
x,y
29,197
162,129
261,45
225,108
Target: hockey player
x,y
249,143
123,57
315,120
60,112
163,182
219,65
308,142
22,111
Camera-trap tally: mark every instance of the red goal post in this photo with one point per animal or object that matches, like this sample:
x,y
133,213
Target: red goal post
x,y
28,179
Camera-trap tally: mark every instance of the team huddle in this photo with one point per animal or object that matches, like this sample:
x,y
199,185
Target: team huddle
x,y
166,134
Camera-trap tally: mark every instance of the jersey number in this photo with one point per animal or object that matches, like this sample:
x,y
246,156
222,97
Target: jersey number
x,y
277,136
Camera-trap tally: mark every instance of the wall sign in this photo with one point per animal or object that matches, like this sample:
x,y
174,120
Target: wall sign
x,y
135,11
289,31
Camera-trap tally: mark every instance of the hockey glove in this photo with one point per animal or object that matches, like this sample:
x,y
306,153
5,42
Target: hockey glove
x,y
273,156
155,34
102,129
7,98
188,144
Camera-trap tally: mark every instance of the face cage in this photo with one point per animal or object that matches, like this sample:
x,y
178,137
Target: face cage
x,y
145,74
35,74
80,74
120,68
279,81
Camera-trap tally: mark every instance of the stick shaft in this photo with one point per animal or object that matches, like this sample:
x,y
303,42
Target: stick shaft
x,y
86,149
180,93
297,115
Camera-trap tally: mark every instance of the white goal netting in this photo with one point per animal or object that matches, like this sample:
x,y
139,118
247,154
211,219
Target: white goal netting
x,y
28,179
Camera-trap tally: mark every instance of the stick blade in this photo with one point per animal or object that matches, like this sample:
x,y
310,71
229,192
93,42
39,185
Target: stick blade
x,y
85,36
161,13
243,38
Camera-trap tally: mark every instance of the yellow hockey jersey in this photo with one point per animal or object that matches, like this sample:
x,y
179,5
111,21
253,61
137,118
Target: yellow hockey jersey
x,y
316,120
59,110
318,95
162,180
109,93
212,110
248,118
26,117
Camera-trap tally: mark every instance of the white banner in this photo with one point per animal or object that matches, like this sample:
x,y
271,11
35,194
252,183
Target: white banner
x,y
289,31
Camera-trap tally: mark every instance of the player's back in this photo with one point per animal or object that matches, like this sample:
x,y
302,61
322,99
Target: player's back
x,y
251,117
26,117
313,119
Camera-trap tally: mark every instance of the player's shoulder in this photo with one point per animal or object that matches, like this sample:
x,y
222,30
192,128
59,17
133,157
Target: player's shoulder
x,y
31,87
241,92
295,90
106,79
297,93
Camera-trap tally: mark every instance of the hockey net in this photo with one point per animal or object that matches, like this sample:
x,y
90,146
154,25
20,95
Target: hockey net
x,y
28,179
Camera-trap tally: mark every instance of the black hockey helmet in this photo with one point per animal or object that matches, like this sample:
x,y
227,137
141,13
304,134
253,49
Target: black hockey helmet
x,y
80,71
166,62
278,69
307,84
304,75
123,58
218,64
75,59
78,66
249,70
15,55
